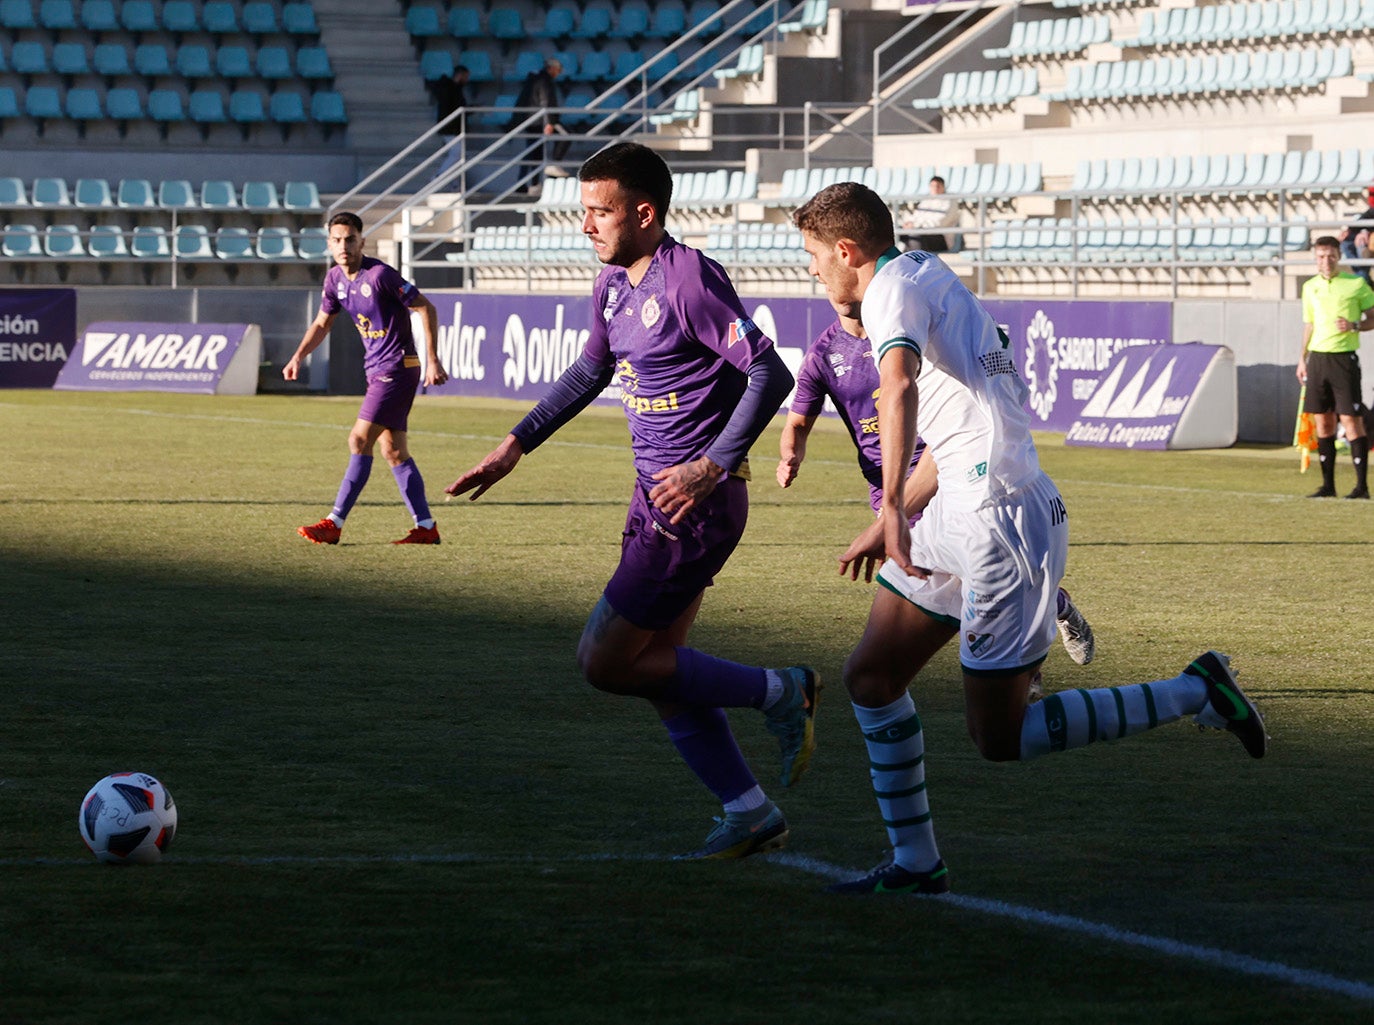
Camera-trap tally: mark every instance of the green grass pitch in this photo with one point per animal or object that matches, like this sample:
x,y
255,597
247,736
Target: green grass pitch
x,y
400,804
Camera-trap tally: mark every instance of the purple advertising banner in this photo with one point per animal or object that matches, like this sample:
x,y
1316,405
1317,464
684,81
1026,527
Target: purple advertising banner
x,y
209,359
1144,394
37,332
515,346
1062,347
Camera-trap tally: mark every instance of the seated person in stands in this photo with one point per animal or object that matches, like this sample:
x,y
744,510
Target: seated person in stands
x,y
1354,238
934,211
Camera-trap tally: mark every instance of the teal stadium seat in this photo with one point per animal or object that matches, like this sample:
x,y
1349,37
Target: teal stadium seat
x,y
506,24
135,194
151,61
219,18
70,59
233,63
111,60
633,20
176,194
218,194
298,19
669,20
99,16
301,195
194,62
313,244
63,242
464,22
82,105
286,108
21,240
13,194
246,108
192,242
180,17
149,242
327,108
29,58
234,243
312,62
274,243
43,103
260,19
206,107
138,16
57,15
123,104
106,242
596,20
423,22
17,14
274,63
260,196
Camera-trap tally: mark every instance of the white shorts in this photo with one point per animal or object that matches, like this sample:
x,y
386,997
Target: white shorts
x,y
995,572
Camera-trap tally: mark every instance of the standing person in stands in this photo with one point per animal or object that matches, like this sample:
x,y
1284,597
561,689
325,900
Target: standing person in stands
x,y
699,382
934,211
451,99
379,300
1335,307
984,560
541,91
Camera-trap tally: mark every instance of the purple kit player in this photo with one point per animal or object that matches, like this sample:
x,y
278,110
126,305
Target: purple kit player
x,y
699,383
839,366
379,300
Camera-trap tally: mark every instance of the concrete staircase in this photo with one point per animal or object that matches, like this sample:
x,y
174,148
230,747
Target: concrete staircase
x,y
378,75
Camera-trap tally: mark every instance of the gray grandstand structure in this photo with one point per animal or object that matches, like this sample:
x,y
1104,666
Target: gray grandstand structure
x,y
1132,148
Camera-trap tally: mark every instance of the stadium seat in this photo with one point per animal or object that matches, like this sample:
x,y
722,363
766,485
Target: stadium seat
x,y
151,61
63,241
111,60
149,242
13,194
233,243
233,63
9,103
218,195
464,22
260,18
192,242
106,242
595,22
17,14
260,195
70,59
423,22
93,194
20,240
135,194
99,16
327,108
176,194
82,105
312,62
29,58
313,244
43,103
301,196
436,65
246,108
287,109
298,19
123,104
274,243
194,62
50,192
206,107
633,20
669,20
137,16
274,62
505,23
180,17
478,63
219,18
558,23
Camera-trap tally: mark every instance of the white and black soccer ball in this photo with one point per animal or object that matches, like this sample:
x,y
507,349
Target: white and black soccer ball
x,y
128,818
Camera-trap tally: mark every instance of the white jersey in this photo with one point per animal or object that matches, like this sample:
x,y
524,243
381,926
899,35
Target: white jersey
x,y
971,409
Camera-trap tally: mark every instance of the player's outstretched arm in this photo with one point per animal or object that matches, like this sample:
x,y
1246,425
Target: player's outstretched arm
x,y
865,553
310,341
792,447
435,374
499,462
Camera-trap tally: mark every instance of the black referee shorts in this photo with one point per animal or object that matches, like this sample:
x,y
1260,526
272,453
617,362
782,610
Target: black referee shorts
x,y
1333,384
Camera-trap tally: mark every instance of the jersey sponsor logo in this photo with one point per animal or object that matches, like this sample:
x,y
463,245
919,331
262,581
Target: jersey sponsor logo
x,y
366,329
649,315
975,473
868,424
341,293
839,364
740,330
629,380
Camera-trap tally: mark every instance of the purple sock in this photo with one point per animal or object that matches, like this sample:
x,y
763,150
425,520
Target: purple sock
x,y
711,682
359,468
702,736
412,487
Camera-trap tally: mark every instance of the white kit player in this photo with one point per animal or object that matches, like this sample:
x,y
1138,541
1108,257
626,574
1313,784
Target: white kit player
x,y
985,560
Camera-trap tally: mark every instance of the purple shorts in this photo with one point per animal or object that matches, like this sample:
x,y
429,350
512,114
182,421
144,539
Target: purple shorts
x,y
389,397
664,566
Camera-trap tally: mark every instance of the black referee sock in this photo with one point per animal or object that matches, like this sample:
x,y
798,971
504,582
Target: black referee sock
x,y
1359,453
1326,457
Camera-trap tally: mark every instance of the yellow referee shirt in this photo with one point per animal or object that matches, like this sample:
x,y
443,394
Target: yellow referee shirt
x,y
1324,301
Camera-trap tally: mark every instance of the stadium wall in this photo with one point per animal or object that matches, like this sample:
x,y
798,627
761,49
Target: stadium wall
x,y
1264,335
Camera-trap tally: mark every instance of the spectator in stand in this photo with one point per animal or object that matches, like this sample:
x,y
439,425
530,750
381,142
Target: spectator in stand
x,y
541,92
932,212
1353,246
451,99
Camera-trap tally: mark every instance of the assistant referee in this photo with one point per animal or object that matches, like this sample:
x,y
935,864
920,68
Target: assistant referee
x,y
1335,307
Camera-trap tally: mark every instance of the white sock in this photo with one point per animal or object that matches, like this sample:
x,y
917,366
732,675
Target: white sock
x,y
1075,718
896,765
776,688
424,523
747,801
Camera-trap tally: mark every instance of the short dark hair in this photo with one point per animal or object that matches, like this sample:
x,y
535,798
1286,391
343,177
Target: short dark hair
x,y
636,168
936,178
347,217
848,210
1330,241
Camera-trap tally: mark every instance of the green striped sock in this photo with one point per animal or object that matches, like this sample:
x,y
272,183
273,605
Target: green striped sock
x,y
896,755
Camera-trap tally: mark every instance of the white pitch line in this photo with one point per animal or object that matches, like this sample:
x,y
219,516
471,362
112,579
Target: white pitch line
x,y
1192,953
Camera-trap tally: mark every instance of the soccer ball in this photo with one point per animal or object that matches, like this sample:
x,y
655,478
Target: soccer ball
x,y
128,818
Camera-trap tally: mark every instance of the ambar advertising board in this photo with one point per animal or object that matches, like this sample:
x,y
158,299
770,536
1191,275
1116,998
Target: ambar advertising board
x,y
208,359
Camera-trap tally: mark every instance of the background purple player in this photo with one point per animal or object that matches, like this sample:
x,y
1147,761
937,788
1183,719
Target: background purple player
x,y
699,383
379,300
839,366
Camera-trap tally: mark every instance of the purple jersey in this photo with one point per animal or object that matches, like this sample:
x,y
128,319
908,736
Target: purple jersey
x,y
679,342
378,300
840,366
